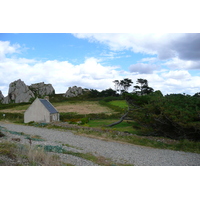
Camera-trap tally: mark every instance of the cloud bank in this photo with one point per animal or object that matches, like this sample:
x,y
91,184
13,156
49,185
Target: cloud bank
x,y
185,46
61,74
168,68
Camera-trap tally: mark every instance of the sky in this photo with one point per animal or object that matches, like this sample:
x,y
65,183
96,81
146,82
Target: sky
x,y
170,62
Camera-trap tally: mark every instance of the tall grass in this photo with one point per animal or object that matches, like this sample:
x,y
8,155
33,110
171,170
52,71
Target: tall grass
x,y
28,156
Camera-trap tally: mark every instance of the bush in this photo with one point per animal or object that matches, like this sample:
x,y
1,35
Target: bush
x,y
175,116
84,120
18,117
1,134
71,116
112,98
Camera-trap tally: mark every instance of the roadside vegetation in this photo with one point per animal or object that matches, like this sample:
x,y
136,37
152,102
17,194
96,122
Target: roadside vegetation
x,y
15,154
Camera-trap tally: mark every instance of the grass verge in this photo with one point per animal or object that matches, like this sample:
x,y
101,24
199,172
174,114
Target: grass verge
x,y
23,155
100,160
154,142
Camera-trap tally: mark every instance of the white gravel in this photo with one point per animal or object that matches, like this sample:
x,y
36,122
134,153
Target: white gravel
x,y
117,152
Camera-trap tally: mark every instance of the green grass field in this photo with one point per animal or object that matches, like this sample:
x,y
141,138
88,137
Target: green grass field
x,y
125,126
119,103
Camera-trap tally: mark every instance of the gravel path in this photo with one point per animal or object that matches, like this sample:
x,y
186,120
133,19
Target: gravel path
x,y
117,152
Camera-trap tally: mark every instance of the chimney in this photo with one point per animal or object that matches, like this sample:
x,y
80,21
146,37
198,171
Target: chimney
x,y
46,98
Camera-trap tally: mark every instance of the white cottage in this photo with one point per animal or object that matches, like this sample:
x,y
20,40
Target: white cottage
x,y
41,110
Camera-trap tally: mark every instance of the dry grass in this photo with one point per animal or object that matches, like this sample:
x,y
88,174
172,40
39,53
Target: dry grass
x,y
36,156
84,107
17,109
17,154
12,111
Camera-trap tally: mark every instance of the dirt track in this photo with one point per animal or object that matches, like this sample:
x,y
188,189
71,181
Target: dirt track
x,y
117,152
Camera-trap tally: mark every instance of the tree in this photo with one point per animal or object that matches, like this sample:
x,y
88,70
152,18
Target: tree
x,y
93,93
142,87
108,93
126,83
196,94
117,85
123,85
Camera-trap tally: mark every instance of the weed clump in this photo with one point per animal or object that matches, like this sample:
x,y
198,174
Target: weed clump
x,y
1,134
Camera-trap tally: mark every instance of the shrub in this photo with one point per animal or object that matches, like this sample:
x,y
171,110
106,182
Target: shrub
x,y
18,117
84,120
1,134
175,116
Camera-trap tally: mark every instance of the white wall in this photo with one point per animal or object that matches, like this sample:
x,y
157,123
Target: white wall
x,y
36,112
55,117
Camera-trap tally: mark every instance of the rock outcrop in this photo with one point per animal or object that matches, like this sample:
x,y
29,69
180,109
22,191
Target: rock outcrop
x,y
18,92
41,89
1,97
74,91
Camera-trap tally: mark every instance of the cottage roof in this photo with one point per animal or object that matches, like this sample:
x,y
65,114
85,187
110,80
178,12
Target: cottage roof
x,y
48,106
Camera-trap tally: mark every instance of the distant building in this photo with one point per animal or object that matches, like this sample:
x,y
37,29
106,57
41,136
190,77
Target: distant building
x,y
41,110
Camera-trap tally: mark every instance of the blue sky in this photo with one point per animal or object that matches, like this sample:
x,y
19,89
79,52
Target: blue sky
x,y
170,62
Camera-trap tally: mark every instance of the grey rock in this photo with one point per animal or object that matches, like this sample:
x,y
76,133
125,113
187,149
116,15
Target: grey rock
x,y
1,96
42,89
18,92
5,100
74,91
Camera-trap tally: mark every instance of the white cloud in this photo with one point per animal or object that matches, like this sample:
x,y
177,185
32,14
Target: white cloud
x,y
6,48
180,81
153,44
177,74
92,74
149,59
143,68
182,48
176,63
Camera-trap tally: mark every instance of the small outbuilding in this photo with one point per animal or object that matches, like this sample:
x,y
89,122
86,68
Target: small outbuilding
x,y
41,110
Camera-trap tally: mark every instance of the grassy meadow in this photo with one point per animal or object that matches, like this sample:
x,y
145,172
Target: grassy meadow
x,y
120,103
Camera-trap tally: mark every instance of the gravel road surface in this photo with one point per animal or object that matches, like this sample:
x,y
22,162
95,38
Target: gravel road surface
x,y
117,152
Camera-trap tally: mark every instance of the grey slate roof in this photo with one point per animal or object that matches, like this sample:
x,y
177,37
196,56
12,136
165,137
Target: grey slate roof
x,y
48,106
